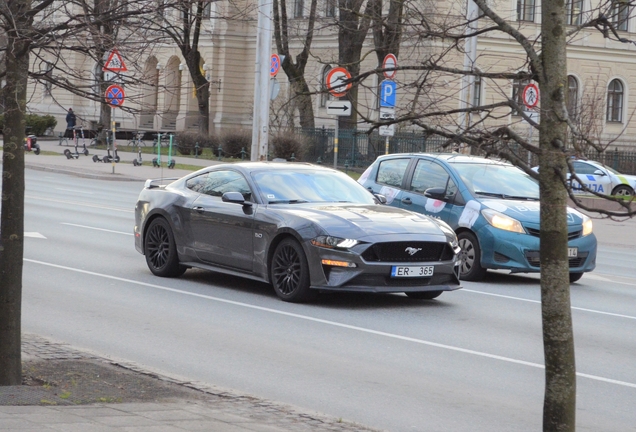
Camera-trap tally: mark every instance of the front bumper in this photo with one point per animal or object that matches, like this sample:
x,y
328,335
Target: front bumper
x,y
520,252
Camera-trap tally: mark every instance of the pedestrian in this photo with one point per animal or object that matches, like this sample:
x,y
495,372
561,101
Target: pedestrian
x,y
70,123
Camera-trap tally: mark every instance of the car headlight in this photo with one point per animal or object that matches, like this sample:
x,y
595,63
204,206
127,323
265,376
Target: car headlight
x,y
331,242
587,226
449,233
501,221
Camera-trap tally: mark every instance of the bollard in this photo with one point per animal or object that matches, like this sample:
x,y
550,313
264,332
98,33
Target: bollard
x,y
319,161
220,150
243,153
293,158
346,165
196,150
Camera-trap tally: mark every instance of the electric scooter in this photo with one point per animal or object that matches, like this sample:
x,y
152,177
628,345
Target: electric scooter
x,y
76,155
31,144
108,158
138,161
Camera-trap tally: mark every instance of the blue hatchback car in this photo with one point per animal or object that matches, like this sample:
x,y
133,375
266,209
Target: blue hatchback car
x,y
493,207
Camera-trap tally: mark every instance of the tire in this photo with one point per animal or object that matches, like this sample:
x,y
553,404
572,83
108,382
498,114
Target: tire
x,y
289,272
106,159
36,149
117,159
95,158
575,277
470,268
160,250
424,295
623,190
67,153
85,152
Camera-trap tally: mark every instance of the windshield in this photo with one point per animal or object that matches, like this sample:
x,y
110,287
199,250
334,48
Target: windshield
x,y
301,186
497,180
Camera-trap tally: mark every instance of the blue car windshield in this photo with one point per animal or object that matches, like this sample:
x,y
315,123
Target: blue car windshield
x,y
497,180
302,186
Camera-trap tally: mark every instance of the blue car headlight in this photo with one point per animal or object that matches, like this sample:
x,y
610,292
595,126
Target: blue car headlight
x,y
587,226
502,221
330,242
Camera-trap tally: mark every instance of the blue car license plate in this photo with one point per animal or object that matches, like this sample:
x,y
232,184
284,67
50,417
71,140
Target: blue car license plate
x,y
412,271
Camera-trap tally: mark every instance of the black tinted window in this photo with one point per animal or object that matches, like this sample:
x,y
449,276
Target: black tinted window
x,y
216,183
429,175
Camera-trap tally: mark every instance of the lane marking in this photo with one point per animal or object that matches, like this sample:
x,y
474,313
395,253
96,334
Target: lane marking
x,y
75,191
34,235
119,209
96,229
539,302
333,323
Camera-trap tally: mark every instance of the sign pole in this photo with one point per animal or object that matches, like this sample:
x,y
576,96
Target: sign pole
x,y
112,121
335,146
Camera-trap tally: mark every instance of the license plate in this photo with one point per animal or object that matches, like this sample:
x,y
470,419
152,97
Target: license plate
x,y
573,252
412,271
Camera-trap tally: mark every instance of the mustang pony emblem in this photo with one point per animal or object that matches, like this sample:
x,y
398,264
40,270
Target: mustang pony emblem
x,y
412,251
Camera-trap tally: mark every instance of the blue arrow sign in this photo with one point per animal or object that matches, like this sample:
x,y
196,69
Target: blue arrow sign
x,y
388,90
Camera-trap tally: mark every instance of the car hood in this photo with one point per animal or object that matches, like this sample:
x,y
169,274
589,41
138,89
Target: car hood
x,y
356,220
527,211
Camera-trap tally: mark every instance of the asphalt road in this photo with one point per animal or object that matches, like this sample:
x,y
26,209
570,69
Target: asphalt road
x,y
469,361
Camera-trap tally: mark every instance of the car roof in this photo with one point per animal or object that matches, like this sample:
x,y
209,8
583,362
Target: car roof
x,y
272,166
452,158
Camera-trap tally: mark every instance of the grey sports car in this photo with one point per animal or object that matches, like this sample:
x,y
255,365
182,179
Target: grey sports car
x,y
301,227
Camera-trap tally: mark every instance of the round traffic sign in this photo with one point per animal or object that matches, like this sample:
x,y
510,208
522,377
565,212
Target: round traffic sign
x,y
115,95
390,62
530,95
274,66
336,81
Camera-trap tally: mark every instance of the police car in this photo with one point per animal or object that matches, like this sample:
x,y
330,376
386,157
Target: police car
x,y
601,179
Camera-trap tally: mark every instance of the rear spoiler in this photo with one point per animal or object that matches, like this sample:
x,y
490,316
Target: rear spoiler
x,y
155,183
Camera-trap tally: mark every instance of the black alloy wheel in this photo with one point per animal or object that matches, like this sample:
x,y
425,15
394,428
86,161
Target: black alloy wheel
x,y
290,272
424,295
161,251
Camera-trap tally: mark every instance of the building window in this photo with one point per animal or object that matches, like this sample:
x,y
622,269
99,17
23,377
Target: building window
x,y
619,15
298,8
477,91
48,84
207,10
573,9
615,101
330,8
324,96
572,100
517,94
525,10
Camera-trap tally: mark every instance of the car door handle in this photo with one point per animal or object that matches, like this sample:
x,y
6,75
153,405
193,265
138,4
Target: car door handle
x,y
198,209
407,201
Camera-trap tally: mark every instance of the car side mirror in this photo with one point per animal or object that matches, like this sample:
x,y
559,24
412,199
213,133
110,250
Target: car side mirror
x,y
437,193
235,197
599,173
381,198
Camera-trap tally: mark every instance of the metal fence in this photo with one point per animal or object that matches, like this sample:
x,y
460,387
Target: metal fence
x,y
359,148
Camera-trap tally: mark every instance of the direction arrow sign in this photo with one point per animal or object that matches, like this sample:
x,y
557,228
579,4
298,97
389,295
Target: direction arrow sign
x,y
115,95
339,108
115,62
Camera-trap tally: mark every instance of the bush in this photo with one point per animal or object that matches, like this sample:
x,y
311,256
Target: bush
x,y
35,124
187,141
286,144
234,141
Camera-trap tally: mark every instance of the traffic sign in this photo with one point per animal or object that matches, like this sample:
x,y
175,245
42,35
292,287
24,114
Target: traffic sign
x,y
390,61
336,81
115,62
387,130
530,95
387,114
115,95
388,90
339,108
274,66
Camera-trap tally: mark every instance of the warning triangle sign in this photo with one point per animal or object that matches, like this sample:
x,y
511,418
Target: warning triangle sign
x,y
115,62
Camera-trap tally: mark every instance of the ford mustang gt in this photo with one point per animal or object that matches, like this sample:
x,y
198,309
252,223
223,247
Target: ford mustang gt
x,y
303,228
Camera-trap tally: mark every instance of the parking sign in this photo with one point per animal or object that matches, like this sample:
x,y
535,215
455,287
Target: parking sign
x,y
388,90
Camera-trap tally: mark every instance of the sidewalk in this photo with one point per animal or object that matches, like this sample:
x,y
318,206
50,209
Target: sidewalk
x,y
69,390
123,171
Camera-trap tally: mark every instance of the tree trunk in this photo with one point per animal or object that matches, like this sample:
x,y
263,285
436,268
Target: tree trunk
x,y
203,101
302,101
559,404
12,218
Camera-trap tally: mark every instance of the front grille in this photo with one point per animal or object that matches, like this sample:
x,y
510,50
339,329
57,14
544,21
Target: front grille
x,y
534,260
537,233
376,280
400,252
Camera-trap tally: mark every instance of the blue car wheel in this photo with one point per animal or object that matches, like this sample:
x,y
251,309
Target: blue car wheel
x,y
470,255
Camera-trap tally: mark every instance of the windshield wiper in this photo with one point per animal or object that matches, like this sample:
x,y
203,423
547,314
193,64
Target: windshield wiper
x,y
293,201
